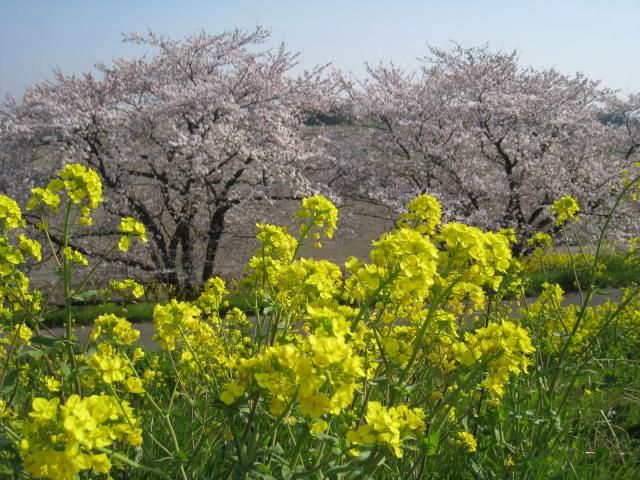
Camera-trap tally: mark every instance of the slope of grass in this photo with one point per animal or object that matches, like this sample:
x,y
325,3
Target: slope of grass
x,y
134,312
615,270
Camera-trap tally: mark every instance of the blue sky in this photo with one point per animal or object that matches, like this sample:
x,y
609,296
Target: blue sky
x,y
599,38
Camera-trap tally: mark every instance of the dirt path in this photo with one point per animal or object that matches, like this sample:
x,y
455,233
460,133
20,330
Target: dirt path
x,y
573,298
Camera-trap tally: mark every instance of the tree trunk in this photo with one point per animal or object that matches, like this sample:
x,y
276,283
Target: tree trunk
x,y
188,267
216,227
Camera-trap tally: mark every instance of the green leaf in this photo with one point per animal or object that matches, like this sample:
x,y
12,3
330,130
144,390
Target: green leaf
x,y
286,472
46,340
182,457
328,438
431,443
65,370
9,381
364,454
277,449
84,296
342,469
32,353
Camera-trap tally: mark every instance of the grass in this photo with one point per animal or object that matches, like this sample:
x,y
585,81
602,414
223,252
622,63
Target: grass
x,y
86,314
134,312
614,271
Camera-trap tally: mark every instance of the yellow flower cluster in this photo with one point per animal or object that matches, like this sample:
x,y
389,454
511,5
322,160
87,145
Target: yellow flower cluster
x,y
9,257
550,317
212,296
6,411
231,392
336,320
321,373
481,258
23,333
503,349
466,297
130,229
15,295
127,285
388,426
61,441
305,282
565,208
199,343
74,256
441,335
176,320
293,284
317,211
404,265
277,248
112,367
628,321
275,243
115,328
108,363
553,259
423,215
465,440
82,186
540,240
10,214
31,247
44,197
397,344
52,384
14,285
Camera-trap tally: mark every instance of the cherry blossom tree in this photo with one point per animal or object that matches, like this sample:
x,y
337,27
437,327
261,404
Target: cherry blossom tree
x,y
625,113
186,140
496,142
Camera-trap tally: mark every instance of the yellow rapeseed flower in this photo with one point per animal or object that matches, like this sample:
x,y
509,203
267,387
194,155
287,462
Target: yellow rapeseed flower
x,y
423,214
466,440
318,426
10,214
388,426
130,229
565,209
43,197
318,211
82,184
61,441
74,256
136,289
52,384
29,246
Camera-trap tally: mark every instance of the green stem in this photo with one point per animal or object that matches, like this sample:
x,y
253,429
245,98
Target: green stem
x,y
93,270
300,442
9,353
594,269
66,278
126,460
423,330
